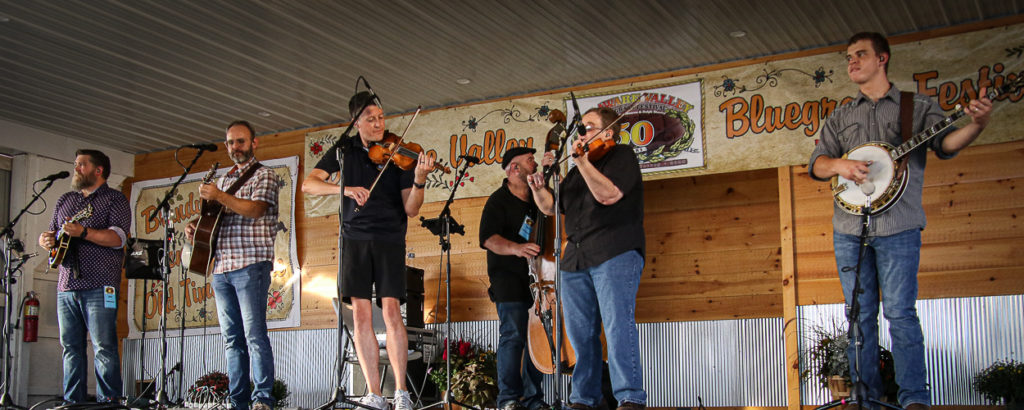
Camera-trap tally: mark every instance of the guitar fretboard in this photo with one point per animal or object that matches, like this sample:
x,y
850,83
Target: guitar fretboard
x,y
923,136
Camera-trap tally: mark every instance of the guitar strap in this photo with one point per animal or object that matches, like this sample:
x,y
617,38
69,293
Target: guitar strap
x,y
243,179
906,124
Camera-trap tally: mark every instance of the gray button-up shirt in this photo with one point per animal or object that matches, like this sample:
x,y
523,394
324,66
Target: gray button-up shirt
x,y
862,121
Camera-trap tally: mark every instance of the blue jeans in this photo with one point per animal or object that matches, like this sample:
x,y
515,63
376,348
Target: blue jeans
x,y
889,270
517,377
605,293
242,311
80,312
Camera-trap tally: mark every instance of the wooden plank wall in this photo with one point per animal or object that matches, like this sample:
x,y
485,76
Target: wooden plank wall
x,y
971,246
713,241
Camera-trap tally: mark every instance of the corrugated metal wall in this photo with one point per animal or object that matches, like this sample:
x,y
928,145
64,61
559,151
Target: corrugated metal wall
x,y
962,336
724,363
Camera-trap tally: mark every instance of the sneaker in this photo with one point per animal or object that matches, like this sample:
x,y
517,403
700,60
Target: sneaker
x,y
402,400
513,405
628,405
260,406
373,401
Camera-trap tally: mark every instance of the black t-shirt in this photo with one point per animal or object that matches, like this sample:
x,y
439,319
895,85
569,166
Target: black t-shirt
x,y
383,216
507,216
596,232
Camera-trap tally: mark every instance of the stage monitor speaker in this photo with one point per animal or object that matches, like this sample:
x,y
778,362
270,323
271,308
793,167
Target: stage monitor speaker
x,y
143,259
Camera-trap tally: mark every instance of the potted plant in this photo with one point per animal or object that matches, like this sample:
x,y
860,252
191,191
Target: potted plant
x,y
474,378
209,388
1003,381
830,365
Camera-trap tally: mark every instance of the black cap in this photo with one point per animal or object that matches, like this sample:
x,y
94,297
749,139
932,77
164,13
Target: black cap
x,y
514,152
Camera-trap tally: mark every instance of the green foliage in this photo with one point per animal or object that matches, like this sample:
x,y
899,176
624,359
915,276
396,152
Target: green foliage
x,y
209,388
1001,381
828,358
474,374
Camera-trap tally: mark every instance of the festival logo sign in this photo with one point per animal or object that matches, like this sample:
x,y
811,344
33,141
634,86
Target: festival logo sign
x,y
664,126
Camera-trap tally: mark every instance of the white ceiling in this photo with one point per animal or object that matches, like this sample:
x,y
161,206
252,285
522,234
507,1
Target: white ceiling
x,y
142,76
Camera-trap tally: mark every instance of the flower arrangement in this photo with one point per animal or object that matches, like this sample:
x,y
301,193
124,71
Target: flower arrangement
x,y
1002,381
828,358
474,374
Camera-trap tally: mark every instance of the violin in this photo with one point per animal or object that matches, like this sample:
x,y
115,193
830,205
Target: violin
x,y
595,149
403,154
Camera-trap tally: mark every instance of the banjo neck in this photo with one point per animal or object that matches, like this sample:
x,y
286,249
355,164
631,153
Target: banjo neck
x,y
937,128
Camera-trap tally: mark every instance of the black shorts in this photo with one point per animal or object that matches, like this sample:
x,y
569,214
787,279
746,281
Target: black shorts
x,y
368,263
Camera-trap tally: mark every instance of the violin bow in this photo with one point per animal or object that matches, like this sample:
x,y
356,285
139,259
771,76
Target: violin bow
x,y
388,162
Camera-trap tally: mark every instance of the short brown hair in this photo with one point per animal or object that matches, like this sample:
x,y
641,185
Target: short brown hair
x,y
98,159
608,117
878,42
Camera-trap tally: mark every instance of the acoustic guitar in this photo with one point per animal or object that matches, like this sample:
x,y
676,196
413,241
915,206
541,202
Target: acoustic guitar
x,y
205,237
63,239
886,183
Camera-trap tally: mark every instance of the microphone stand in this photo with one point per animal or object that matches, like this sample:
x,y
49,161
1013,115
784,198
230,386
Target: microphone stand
x,y
853,332
7,235
443,226
339,398
164,209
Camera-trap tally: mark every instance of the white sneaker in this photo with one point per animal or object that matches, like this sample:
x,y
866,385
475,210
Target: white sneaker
x,y
402,400
373,401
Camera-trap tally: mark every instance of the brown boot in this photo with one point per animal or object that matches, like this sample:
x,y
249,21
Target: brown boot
x,y
628,405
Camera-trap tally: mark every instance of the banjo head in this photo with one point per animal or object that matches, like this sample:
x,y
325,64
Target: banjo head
x,y
877,188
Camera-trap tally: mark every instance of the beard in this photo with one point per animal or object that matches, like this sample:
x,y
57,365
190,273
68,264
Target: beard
x,y
240,157
82,181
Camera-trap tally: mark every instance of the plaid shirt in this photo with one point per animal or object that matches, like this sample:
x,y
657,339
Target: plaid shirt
x,y
244,241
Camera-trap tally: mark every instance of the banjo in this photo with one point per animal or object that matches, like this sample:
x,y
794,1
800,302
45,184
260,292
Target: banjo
x,y
886,180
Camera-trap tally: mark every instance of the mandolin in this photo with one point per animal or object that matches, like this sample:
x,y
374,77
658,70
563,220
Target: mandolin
x,y
63,239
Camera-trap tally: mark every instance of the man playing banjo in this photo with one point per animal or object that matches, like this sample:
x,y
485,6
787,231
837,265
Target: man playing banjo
x,y
889,270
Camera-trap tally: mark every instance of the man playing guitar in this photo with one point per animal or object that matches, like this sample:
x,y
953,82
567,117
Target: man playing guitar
x,y
891,261
241,269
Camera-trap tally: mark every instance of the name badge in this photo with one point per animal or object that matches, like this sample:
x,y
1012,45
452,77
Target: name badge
x,y
109,297
524,231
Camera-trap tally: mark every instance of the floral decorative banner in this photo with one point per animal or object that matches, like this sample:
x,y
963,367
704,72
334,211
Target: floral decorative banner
x,y
484,131
189,295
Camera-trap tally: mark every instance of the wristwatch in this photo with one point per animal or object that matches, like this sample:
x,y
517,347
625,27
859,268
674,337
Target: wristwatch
x,y
420,186
85,231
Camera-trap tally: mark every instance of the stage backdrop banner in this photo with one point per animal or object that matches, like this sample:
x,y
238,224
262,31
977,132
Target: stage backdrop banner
x,y
484,131
755,116
665,128
190,296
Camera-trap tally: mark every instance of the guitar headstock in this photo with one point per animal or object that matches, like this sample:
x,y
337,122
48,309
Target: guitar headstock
x,y
212,173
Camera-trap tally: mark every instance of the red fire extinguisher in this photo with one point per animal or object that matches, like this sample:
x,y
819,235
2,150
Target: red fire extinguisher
x,y
30,306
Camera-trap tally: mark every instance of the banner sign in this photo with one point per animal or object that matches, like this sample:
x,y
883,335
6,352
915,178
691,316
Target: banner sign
x,y
190,296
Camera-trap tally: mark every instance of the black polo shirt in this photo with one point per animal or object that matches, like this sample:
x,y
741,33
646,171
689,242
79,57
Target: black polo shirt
x,y
596,232
507,216
383,216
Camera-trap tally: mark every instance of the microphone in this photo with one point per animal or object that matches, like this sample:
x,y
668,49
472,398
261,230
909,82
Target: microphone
x,y
28,256
867,188
471,159
578,116
202,147
54,177
376,99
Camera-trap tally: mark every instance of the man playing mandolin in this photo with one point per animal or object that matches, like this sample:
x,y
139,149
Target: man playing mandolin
x,y
93,220
242,263
508,219
374,241
603,202
889,271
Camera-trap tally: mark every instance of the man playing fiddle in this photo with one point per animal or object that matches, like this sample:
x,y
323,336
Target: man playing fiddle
x,y
507,220
602,199
374,242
